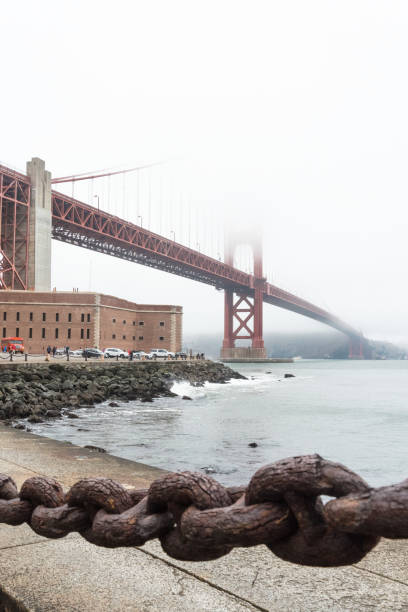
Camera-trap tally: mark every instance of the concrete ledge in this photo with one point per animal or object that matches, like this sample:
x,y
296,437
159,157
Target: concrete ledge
x,y
72,575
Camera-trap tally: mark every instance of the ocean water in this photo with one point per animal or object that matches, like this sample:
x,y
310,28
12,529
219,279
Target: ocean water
x,y
355,412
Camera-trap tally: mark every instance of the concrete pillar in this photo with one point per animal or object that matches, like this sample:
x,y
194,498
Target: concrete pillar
x,y
228,319
39,246
97,321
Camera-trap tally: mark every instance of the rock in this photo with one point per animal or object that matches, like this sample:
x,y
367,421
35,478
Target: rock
x,y
253,444
53,413
186,397
67,385
209,470
98,449
268,372
289,376
72,415
34,418
82,429
19,426
113,405
57,367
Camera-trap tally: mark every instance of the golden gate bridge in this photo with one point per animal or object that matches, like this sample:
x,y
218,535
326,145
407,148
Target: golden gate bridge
x,y
32,212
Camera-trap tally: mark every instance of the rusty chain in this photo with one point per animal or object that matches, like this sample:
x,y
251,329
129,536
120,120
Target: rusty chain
x,y
197,519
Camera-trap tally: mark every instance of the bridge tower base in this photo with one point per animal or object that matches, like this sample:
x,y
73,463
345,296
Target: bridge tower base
x,y
356,349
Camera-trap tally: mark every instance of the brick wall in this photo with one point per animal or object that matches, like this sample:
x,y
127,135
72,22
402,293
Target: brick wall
x,y
88,319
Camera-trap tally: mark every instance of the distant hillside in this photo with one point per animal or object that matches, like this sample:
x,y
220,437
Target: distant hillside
x,y
323,345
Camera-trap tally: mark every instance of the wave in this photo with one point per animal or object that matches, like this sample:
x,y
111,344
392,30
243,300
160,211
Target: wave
x,y
186,388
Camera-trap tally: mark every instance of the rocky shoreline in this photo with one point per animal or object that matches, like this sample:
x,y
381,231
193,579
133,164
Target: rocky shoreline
x,y
40,392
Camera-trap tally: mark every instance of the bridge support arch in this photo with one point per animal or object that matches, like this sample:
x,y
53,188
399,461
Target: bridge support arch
x,y
243,311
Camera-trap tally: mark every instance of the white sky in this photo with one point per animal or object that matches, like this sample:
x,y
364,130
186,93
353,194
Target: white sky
x,y
292,113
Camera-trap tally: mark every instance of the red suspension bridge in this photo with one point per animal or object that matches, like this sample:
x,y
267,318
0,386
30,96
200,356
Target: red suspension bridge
x,y
31,212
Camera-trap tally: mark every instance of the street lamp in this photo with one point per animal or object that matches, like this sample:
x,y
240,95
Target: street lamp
x,y
96,196
141,220
174,235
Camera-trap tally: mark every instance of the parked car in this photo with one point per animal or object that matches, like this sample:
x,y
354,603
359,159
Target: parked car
x,y
139,355
76,353
181,355
160,353
110,353
92,352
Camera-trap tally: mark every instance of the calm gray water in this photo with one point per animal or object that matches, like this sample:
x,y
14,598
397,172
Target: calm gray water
x,y
348,411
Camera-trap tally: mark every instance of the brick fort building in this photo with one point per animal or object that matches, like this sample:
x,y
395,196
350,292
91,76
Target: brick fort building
x,y
86,319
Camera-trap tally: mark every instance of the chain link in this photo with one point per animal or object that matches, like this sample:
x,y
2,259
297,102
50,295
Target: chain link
x,y
197,519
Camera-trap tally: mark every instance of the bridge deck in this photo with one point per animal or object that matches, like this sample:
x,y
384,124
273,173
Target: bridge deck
x,y
83,225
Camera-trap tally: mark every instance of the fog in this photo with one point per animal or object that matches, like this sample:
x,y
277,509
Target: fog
x,y
289,114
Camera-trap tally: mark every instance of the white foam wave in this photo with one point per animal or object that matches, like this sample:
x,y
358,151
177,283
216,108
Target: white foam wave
x,y
184,388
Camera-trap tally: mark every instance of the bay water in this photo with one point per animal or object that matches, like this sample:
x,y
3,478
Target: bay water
x,y
354,412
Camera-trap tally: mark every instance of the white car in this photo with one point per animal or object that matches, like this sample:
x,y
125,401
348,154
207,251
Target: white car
x,y
160,353
115,352
139,354
77,353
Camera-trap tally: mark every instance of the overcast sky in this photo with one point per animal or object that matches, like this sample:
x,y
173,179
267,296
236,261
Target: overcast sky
x,y
290,113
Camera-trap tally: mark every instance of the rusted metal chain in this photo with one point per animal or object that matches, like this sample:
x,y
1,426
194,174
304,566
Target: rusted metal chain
x,y
197,519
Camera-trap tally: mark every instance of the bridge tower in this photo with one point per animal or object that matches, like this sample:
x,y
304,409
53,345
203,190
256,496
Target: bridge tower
x,y
39,244
243,310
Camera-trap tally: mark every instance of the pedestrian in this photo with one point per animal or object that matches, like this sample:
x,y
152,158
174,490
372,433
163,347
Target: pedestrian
x,y
67,350
49,350
54,350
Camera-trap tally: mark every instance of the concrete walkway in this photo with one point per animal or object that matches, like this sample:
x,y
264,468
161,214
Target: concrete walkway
x,y
72,575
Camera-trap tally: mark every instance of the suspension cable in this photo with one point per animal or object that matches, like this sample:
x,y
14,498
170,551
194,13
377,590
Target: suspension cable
x,y
86,176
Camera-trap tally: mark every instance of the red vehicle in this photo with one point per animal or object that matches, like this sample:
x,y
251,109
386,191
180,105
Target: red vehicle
x,y
9,345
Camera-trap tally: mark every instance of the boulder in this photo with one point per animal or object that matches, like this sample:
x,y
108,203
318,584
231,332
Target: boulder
x,y
53,413
34,418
